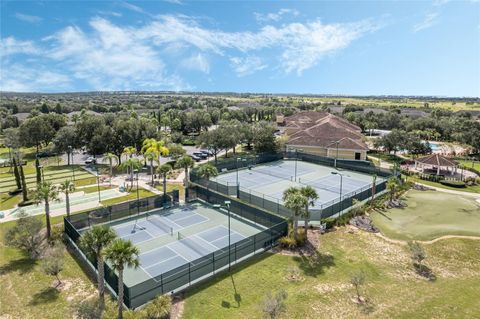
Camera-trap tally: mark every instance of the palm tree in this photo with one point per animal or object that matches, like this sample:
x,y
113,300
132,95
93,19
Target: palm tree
x,y
156,147
131,164
207,171
46,193
392,187
122,253
163,170
185,162
311,194
110,157
94,241
128,152
67,187
150,156
294,200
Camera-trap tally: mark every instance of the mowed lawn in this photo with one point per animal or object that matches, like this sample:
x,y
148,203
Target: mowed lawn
x,y
430,214
323,289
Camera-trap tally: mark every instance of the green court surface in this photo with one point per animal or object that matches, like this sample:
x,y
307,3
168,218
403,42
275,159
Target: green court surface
x,y
203,230
429,215
78,198
51,175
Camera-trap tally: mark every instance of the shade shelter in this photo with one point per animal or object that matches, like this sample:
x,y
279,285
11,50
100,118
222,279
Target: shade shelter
x,y
436,162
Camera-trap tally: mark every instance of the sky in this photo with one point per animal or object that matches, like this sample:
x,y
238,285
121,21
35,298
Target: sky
x,y
317,47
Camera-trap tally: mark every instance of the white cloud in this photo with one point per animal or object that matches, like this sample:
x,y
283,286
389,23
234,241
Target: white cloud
x,y
10,45
174,1
28,18
133,7
198,62
18,78
301,45
109,56
246,66
429,21
275,16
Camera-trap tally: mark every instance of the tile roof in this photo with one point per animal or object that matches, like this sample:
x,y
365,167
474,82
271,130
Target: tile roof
x,y
437,160
324,130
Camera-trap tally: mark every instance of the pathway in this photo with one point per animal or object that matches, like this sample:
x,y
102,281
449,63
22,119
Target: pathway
x,y
450,191
425,242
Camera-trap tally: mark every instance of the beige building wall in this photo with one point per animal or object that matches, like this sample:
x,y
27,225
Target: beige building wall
x,y
331,152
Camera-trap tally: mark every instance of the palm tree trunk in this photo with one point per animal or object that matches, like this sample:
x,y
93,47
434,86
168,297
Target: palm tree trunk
x,y
151,171
100,277
47,217
131,177
120,294
67,203
186,177
111,172
165,185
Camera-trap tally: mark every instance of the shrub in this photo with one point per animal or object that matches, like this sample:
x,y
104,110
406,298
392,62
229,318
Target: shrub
x,y
25,235
329,222
273,306
289,242
88,309
453,183
159,308
57,234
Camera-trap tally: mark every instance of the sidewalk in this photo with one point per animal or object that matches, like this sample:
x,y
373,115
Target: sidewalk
x,y
450,191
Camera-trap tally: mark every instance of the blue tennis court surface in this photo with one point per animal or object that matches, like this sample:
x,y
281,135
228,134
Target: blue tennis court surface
x,y
155,225
272,179
187,249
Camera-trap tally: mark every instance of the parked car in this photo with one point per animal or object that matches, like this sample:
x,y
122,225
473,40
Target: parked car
x,y
207,152
91,160
195,158
45,154
200,154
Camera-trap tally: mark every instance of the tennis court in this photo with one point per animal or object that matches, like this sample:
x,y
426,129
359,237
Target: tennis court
x,y
170,238
272,179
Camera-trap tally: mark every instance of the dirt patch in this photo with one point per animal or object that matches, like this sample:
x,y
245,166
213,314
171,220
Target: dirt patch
x,y
76,289
309,249
178,305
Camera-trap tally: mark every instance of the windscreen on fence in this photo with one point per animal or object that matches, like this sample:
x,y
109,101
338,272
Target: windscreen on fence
x,y
189,273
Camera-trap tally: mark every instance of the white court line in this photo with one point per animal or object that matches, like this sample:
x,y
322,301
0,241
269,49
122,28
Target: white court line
x,y
158,217
191,216
216,248
175,256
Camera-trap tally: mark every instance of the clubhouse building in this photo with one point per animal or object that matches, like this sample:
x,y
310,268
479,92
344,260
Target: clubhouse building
x,y
324,134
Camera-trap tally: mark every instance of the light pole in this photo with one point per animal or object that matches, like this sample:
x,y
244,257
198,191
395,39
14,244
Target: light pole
x,y
138,196
296,159
227,204
98,185
341,182
69,154
40,167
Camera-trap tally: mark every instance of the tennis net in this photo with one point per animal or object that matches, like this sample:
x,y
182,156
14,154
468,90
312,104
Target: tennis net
x,y
193,245
321,185
290,178
156,221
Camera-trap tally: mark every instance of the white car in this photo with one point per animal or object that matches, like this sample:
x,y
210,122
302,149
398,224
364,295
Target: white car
x,y
91,160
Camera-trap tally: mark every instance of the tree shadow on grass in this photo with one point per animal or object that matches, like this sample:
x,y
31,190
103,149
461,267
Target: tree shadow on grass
x,y
46,295
315,265
22,265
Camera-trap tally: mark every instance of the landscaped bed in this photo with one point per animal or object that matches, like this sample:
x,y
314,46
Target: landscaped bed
x,y
430,214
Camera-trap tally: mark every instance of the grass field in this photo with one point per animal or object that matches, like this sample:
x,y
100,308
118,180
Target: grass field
x,y
476,164
28,293
430,215
323,289
469,189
